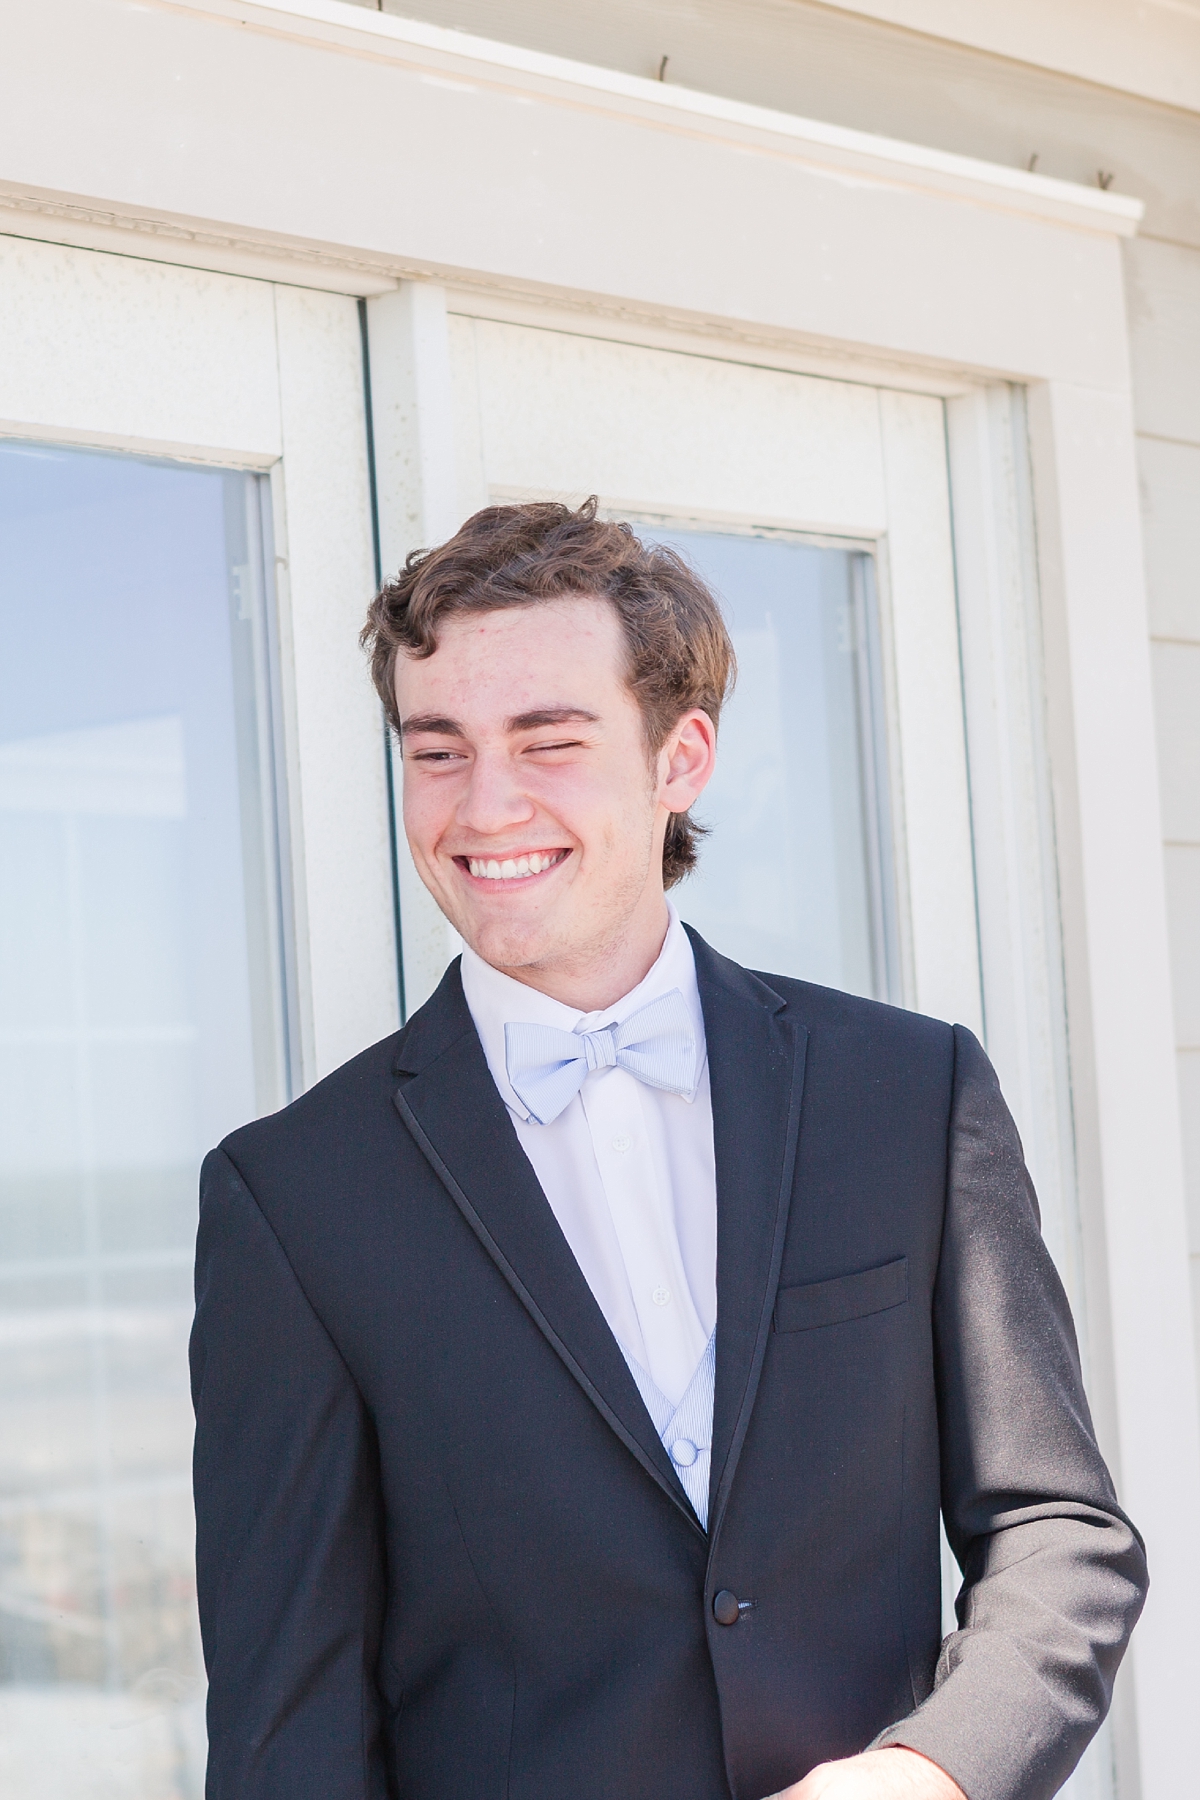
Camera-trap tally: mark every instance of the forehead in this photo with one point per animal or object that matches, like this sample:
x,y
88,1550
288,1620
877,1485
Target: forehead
x,y
550,653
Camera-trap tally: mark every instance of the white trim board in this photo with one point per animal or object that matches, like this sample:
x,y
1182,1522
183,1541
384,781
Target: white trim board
x,y
80,223
76,223
713,339
341,152
459,55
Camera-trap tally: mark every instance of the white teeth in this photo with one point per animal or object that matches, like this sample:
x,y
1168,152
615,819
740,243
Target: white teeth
x,y
513,869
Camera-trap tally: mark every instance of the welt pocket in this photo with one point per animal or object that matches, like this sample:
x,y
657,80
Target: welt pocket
x,y
845,1297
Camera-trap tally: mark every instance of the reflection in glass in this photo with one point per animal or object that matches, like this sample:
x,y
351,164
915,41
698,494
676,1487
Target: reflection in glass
x,y
141,1017
796,877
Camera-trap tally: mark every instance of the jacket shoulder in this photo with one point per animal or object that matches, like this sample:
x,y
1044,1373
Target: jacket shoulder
x,y
833,1008
846,1022
342,1103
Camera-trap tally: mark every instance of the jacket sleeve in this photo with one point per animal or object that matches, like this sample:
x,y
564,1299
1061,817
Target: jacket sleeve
x,y
287,1522
1054,1573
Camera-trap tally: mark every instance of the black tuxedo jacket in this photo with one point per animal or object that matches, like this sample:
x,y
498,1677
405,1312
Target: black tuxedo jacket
x,y
442,1553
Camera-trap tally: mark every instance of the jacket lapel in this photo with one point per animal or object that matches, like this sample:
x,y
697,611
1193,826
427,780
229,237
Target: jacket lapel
x,y
756,1051
449,1103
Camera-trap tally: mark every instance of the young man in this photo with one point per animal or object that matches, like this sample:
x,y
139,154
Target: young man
x,y
581,1372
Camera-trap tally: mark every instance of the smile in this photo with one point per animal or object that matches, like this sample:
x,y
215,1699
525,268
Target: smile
x,y
517,868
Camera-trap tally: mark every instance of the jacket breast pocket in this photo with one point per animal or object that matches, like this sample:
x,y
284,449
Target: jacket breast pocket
x,y
845,1297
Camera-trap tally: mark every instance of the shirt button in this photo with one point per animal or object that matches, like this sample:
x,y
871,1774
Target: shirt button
x,y
683,1453
661,1296
622,1143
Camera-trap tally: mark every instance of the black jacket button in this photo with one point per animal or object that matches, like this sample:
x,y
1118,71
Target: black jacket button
x,y
726,1610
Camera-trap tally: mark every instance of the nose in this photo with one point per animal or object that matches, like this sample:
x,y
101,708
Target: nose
x,y
494,800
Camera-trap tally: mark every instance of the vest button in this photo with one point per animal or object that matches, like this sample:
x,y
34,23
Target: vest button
x,y
725,1608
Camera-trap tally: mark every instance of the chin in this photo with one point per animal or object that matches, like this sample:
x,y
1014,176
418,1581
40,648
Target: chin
x,y
509,945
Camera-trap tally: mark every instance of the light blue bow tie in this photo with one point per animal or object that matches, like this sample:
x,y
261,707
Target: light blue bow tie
x,y
547,1067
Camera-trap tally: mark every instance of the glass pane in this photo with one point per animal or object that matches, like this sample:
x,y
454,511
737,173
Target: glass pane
x,y
141,1017
795,877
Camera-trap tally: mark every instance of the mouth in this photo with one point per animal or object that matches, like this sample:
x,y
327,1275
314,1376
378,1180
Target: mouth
x,y
525,867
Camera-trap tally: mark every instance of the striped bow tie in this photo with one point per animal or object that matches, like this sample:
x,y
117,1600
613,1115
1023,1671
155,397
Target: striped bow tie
x,y
547,1067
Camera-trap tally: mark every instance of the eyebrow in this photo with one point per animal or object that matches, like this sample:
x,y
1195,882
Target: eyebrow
x,y
551,715
439,726
434,722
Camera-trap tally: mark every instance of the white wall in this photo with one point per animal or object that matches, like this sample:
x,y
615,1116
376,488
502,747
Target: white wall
x,y
1164,294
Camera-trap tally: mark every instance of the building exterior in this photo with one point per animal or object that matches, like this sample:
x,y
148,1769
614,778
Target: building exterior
x,y
888,314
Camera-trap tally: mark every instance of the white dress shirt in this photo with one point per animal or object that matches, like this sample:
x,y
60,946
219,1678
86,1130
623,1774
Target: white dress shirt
x,y
628,1169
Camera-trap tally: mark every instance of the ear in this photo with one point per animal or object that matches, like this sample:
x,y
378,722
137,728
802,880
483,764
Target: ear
x,y
686,761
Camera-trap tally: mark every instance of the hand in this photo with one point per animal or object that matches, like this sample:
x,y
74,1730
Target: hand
x,y
891,1774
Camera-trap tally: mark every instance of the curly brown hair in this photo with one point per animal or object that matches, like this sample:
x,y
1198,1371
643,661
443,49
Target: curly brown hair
x,y
679,652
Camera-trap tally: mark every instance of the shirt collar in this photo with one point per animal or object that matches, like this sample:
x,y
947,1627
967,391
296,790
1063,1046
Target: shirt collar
x,y
494,998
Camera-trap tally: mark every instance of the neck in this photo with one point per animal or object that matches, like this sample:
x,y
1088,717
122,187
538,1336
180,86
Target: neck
x,y
590,980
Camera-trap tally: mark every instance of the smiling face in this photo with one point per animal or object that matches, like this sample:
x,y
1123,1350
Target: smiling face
x,y
534,814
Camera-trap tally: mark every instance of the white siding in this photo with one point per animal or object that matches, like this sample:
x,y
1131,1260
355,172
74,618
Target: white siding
x,y
1164,302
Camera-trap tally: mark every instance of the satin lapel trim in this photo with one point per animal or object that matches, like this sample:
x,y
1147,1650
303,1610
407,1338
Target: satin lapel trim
x,y
756,1053
494,1187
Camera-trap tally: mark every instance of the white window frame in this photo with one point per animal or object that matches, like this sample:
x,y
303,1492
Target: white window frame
x,y
288,403
889,490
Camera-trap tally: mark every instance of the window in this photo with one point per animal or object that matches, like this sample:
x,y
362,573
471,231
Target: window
x,y
796,877
143,1014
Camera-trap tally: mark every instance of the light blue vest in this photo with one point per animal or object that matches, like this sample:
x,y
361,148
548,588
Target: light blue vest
x,y
686,1429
